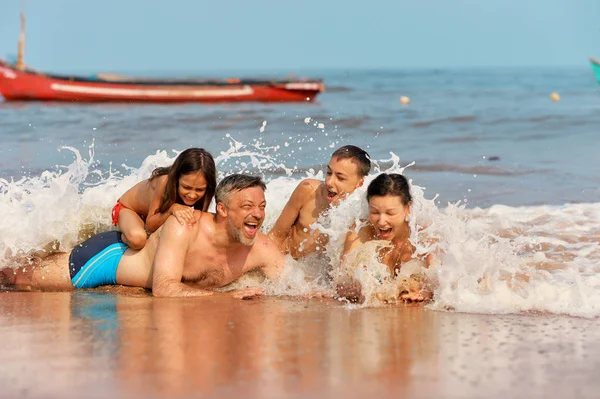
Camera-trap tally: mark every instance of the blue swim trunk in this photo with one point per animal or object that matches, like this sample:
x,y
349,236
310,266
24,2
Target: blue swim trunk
x,y
94,262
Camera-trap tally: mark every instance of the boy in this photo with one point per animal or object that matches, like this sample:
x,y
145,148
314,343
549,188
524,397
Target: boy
x,y
345,173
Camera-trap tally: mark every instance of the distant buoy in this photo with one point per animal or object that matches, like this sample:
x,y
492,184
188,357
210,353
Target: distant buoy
x,y
404,100
555,96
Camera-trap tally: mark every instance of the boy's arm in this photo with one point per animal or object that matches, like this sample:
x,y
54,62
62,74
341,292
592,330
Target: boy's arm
x,y
290,213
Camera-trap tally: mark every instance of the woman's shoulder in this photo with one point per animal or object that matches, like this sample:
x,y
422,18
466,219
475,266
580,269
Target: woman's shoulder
x,y
362,231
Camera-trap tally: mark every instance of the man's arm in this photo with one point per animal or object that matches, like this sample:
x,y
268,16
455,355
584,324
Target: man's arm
x,y
167,269
290,213
272,260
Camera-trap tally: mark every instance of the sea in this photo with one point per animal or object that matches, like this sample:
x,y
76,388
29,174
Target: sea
x,y
505,179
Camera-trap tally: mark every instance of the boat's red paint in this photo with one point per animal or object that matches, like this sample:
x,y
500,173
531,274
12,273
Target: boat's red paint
x,y
29,85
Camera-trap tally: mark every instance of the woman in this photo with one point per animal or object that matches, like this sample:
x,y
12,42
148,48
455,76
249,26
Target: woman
x,y
387,233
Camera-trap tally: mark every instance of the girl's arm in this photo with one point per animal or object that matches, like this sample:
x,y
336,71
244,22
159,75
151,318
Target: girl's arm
x,y
155,219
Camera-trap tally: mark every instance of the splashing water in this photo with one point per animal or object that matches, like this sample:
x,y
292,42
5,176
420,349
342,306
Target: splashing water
x,y
497,260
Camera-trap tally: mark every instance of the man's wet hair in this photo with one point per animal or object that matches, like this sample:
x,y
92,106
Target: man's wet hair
x,y
236,182
356,155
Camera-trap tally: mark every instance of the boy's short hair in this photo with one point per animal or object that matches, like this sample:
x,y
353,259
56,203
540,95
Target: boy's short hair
x,y
357,155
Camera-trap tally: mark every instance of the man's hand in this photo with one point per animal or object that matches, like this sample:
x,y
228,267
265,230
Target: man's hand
x,y
248,293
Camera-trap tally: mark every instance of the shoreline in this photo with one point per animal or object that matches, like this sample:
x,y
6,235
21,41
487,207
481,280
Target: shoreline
x,y
129,344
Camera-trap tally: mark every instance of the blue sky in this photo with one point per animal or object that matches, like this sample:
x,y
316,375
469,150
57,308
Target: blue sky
x,y
190,35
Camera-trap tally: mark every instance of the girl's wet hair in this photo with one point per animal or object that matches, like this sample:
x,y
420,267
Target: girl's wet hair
x,y
189,161
390,184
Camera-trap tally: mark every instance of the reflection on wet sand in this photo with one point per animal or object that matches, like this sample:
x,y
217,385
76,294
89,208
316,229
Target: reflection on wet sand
x,y
265,348
98,344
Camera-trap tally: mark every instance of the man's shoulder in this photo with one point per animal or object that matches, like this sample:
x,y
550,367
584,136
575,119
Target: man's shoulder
x,y
264,245
204,222
204,217
264,255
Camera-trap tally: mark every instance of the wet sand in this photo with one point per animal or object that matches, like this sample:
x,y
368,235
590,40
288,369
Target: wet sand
x,y
104,344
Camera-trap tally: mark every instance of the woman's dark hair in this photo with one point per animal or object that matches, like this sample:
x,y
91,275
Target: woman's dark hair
x,y
390,184
189,161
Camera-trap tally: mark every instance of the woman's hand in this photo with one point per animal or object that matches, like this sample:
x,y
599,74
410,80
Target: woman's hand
x,y
415,289
351,290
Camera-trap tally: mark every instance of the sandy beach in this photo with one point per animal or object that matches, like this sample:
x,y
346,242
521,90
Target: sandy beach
x,y
96,344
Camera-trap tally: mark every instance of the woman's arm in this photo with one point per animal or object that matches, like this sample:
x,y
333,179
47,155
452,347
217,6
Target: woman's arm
x,y
346,286
155,219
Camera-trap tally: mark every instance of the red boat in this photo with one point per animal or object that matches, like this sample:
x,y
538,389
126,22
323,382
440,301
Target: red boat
x,y
24,85
19,83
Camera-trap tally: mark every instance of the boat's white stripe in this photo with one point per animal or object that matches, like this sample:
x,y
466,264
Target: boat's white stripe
x,y
179,92
303,86
8,73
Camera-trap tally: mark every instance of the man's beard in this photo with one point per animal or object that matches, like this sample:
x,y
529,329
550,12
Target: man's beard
x,y
238,235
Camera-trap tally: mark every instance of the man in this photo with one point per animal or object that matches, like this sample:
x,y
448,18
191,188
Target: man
x,y
345,173
178,260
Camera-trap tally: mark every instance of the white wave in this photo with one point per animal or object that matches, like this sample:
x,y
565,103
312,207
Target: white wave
x,y
496,260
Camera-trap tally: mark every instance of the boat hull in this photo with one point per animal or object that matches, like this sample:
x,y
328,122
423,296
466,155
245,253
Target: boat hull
x,y
16,85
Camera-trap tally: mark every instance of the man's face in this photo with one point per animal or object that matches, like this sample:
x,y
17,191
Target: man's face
x,y
245,214
342,179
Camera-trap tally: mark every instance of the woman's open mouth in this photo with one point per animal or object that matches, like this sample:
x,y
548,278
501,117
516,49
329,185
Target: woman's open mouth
x,y
385,234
